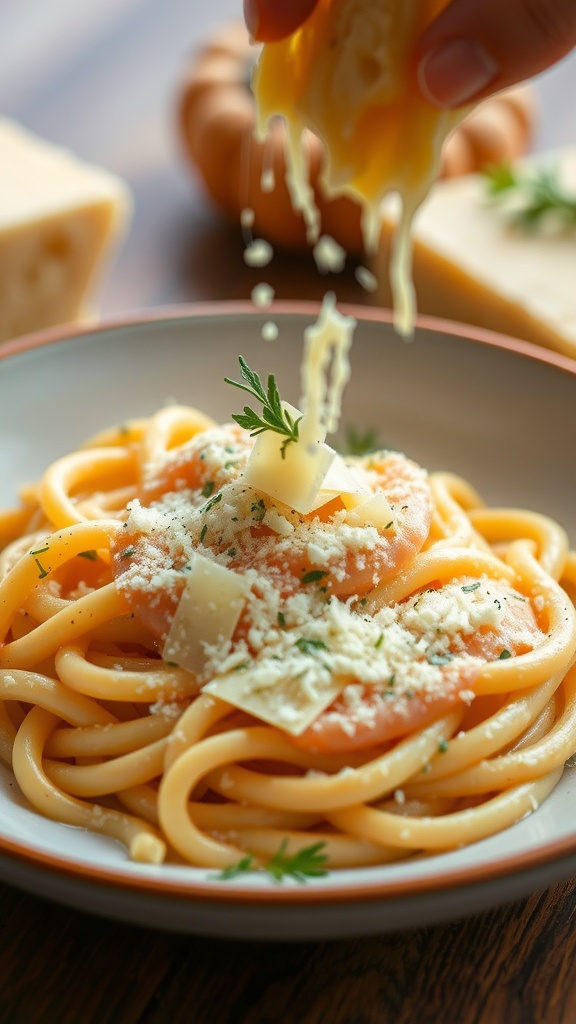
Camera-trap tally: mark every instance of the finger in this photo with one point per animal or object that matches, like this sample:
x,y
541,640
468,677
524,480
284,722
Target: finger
x,y
268,20
476,47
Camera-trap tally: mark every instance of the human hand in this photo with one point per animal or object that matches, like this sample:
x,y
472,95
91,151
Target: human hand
x,y
472,49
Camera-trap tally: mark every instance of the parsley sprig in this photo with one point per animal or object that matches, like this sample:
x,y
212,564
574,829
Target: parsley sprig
x,y
536,194
309,862
273,417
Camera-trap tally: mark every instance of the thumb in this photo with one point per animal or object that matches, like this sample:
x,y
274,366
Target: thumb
x,y
475,47
268,20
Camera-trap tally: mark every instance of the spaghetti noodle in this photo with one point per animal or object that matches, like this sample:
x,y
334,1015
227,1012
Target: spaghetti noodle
x,y
385,691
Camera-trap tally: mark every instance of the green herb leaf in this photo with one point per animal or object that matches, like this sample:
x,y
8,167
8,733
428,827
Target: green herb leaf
x,y
504,655
360,443
534,195
92,555
210,504
308,645
244,865
314,576
273,417
471,586
208,488
309,862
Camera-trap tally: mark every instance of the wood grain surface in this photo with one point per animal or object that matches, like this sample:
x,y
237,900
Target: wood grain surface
x,y
100,76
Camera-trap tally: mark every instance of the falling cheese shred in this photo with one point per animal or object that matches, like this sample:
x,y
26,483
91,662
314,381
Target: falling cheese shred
x,y
347,76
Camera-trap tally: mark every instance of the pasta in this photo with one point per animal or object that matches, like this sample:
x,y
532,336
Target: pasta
x,y
382,691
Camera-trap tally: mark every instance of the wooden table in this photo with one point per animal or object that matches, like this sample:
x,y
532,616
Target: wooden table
x,y
100,76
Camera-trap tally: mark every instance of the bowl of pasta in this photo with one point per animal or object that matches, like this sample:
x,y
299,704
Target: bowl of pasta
x,y
287,644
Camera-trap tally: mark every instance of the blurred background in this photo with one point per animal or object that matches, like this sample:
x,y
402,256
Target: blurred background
x,y
103,77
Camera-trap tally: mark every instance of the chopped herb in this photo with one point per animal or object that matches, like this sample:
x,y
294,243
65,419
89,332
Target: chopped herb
x,y
274,416
92,555
172,664
504,655
210,504
241,667
471,586
442,746
41,551
228,465
231,552
42,571
388,525
309,645
497,603
258,510
208,488
314,576
203,532
281,619
309,862
128,552
392,680
379,641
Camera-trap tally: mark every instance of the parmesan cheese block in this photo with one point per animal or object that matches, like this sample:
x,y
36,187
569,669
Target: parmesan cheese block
x,y
473,265
59,218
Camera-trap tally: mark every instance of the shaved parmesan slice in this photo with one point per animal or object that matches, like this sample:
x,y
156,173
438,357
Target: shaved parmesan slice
x,y
374,511
294,479
342,481
207,614
290,704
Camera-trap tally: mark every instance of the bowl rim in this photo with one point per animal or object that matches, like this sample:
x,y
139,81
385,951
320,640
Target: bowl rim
x,y
561,851
282,307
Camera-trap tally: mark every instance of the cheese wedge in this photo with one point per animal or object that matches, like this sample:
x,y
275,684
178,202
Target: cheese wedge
x,y
347,75
472,264
59,219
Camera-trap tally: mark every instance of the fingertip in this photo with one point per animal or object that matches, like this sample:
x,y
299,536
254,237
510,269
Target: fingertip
x,y
268,21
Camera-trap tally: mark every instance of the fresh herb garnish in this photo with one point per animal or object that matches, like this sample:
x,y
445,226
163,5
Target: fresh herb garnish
x,y
504,655
92,555
470,587
208,488
536,194
442,746
128,552
360,443
273,417
309,862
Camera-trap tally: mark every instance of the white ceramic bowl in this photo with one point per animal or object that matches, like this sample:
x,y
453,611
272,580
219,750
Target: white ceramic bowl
x,y
499,412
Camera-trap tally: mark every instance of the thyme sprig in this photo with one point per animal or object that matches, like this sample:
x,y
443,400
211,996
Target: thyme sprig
x,y
273,417
309,862
535,194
